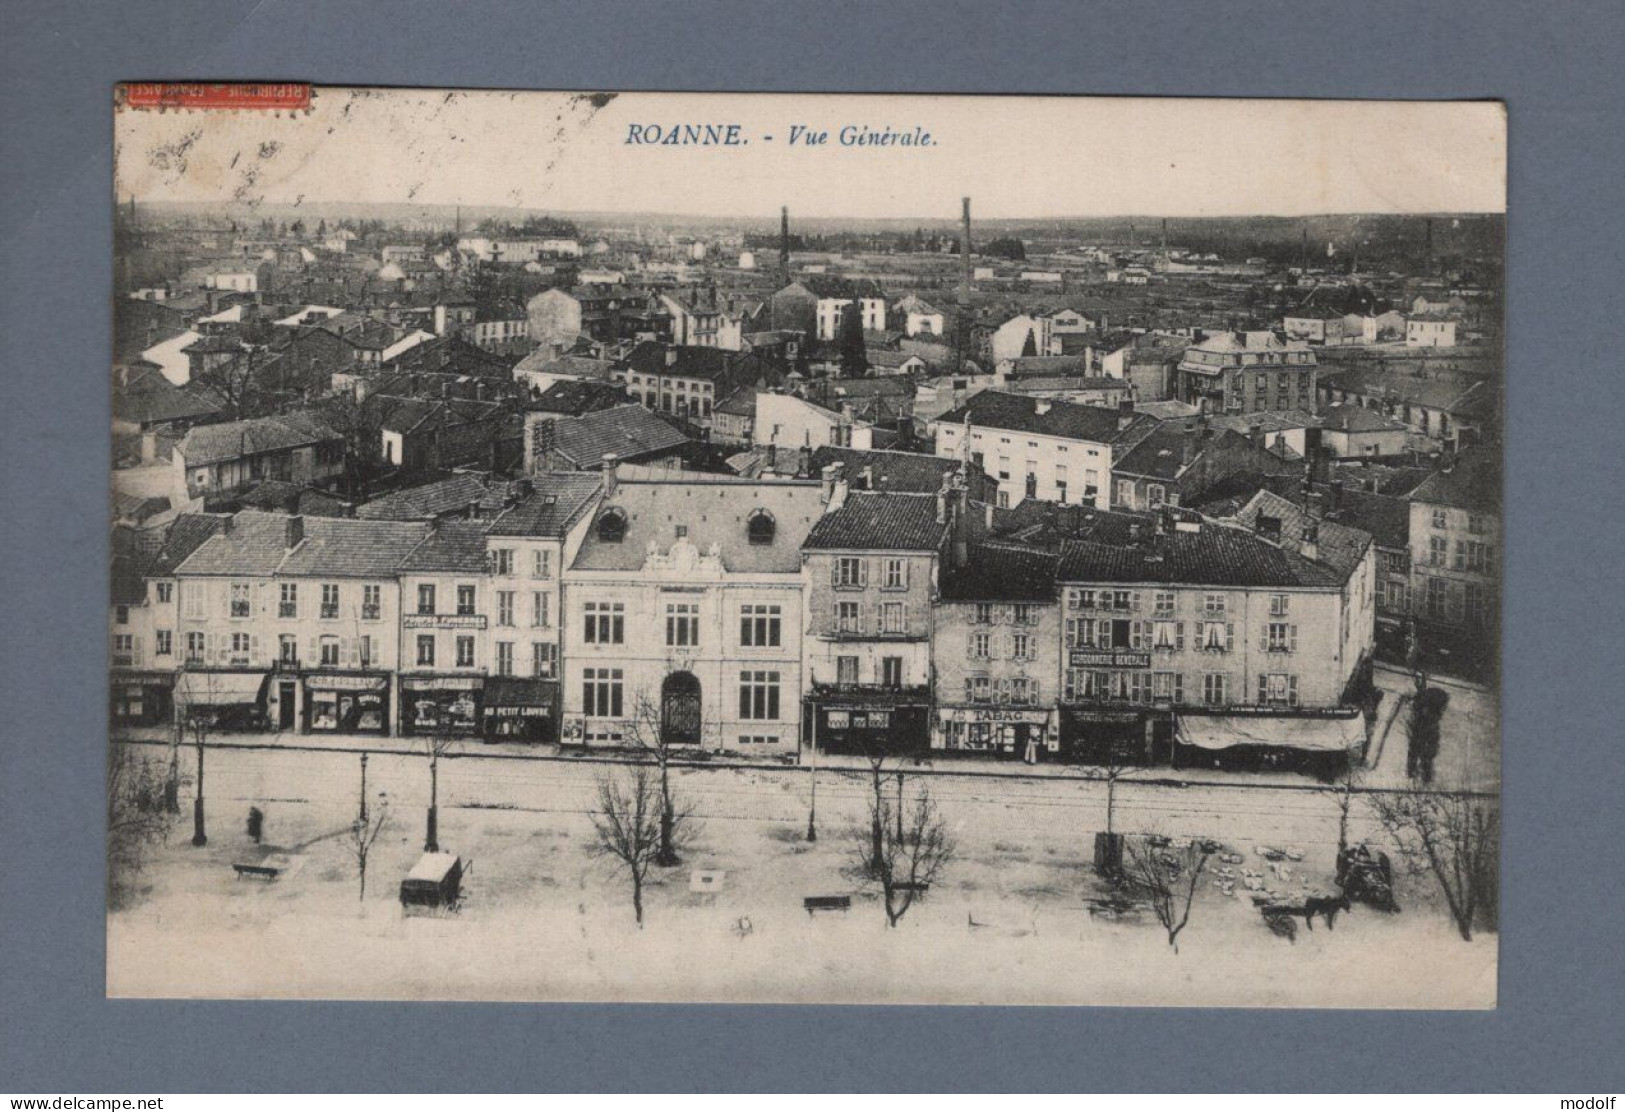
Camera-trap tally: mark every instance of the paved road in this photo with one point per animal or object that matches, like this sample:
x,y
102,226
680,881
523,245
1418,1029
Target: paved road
x,y
1042,811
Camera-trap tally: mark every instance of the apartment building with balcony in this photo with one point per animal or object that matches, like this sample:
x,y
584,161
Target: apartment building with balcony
x,y
1201,640
292,623
871,565
995,659
1243,372
448,644
144,622
528,546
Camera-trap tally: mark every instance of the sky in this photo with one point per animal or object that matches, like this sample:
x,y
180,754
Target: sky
x,y
1017,157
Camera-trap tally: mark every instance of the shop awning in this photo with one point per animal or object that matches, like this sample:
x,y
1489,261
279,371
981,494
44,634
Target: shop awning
x,y
219,689
1324,734
508,691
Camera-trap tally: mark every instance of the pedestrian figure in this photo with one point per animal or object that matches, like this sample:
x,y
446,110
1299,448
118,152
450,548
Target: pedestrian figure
x,y
256,824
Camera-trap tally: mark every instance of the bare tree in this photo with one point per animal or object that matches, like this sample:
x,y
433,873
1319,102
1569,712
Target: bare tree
x,y
1168,879
874,753
1455,836
137,818
1120,764
1342,794
234,382
645,731
913,851
364,832
627,826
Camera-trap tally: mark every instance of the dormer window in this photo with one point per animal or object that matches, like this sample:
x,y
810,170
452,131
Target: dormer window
x,y
760,527
612,527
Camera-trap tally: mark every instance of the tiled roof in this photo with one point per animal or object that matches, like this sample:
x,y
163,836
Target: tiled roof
x,y
996,409
274,494
576,397
1472,483
435,499
554,504
1338,544
184,536
1358,418
575,366
1269,420
714,512
450,546
1434,393
1026,365
346,547
1000,572
1212,556
134,552
741,403
650,358
1032,384
894,472
881,521
626,432
827,286
256,544
1387,519
208,444
1161,455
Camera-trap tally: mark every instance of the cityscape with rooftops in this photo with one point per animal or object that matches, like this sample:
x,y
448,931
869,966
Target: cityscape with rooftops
x,y
934,598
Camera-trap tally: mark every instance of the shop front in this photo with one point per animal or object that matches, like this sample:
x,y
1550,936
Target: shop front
x,y
441,704
1320,745
223,700
347,704
858,722
521,710
142,698
1013,733
1104,735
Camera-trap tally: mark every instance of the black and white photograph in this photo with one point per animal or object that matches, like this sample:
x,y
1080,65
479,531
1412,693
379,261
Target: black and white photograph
x,y
818,549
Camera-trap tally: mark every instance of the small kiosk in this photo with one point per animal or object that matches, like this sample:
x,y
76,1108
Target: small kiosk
x,y
434,884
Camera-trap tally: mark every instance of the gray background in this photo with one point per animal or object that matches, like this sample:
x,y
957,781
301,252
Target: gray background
x,y
1558,67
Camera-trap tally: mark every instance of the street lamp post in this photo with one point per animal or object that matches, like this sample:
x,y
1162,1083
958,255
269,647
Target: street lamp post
x,y
199,837
812,779
431,842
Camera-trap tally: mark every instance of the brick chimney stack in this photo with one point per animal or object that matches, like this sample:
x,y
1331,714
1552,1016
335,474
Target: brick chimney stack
x,y
964,283
784,245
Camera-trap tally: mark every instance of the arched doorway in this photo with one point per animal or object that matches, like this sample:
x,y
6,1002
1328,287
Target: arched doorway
x,y
680,709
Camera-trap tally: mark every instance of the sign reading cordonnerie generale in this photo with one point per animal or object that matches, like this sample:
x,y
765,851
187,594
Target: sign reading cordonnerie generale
x,y
1083,658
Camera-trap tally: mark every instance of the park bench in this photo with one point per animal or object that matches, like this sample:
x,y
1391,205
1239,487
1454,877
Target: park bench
x,y
815,904
1114,908
261,872
918,887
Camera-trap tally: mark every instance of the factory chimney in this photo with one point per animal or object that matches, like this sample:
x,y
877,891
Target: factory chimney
x,y
1165,235
963,330
784,246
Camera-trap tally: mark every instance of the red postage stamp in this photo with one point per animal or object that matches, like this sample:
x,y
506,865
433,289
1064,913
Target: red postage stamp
x,y
198,94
